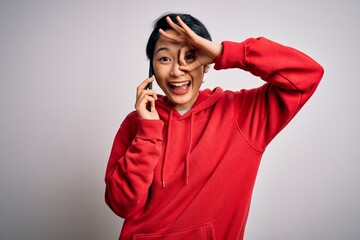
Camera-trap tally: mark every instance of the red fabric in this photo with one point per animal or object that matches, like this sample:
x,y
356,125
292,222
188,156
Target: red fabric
x,y
192,176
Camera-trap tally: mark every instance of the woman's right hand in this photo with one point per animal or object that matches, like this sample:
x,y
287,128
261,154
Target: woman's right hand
x,y
143,96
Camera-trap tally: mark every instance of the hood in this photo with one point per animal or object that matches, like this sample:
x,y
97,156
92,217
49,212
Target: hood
x,y
207,98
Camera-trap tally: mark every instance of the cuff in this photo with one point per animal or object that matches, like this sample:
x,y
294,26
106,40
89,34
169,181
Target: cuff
x,y
150,129
233,56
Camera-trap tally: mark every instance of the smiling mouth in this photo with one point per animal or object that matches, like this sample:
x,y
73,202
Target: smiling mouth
x,y
180,87
179,84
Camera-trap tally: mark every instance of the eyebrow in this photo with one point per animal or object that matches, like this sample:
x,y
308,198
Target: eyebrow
x,y
162,49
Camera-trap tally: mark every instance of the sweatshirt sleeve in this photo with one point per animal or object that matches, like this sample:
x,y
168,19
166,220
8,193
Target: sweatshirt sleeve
x,y
131,164
290,76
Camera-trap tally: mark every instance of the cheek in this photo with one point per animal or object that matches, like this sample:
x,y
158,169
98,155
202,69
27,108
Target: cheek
x,y
159,76
161,81
159,70
198,75
161,73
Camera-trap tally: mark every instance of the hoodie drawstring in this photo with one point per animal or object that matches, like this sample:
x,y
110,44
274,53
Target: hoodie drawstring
x,y
166,152
206,99
166,149
187,161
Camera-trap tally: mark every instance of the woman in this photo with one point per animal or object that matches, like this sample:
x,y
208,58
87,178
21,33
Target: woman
x,y
186,168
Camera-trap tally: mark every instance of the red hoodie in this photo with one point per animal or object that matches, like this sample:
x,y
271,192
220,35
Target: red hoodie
x,y
192,176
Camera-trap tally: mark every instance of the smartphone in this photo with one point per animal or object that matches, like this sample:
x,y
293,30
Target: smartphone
x,y
151,73
149,86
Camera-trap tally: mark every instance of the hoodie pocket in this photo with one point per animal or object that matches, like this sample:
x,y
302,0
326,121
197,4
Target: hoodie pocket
x,y
203,232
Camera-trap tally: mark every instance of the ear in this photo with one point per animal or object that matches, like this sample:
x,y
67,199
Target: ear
x,y
206,68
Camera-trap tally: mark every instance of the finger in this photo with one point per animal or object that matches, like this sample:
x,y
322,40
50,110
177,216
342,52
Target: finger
x,y
174,26
152,106
141,93
183,51
142,101
190,66
171,37
148,92
185,28
144,84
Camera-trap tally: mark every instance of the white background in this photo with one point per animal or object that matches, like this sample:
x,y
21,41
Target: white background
x,y
68,73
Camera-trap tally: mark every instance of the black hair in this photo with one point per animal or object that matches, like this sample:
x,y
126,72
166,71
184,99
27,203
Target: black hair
x,y
193,23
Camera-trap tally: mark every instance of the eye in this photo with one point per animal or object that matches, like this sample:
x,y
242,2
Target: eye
x,y
189,57
164,59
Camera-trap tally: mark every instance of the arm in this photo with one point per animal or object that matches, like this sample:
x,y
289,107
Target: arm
x,y
291,78
129,174
135,153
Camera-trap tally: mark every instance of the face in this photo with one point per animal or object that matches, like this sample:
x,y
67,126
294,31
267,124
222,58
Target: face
x,y
181,87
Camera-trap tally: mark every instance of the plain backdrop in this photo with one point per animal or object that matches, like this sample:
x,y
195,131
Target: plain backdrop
x,y
68,74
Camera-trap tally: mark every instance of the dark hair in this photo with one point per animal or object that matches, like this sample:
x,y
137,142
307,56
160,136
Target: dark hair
x,y
195,25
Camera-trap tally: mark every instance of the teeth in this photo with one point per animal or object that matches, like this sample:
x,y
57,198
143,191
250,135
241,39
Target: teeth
x,y
179,84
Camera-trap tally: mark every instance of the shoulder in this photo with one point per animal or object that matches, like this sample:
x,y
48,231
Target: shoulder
x,y
130,123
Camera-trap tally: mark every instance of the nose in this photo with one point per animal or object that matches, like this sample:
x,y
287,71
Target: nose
x,y
175,70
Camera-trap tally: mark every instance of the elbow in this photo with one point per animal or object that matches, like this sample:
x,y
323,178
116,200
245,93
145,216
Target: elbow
x,y
123,205
315,76
111,202
119,209
319,72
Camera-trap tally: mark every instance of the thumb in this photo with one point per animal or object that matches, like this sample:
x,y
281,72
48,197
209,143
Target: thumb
x,y
190,66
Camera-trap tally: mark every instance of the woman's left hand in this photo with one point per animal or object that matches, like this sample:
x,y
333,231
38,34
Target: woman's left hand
x,y
206,50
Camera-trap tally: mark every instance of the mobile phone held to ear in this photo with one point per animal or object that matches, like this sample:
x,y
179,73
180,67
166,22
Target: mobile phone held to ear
x,y
149,86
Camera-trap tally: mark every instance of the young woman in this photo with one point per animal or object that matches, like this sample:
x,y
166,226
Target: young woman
x,y
186,168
